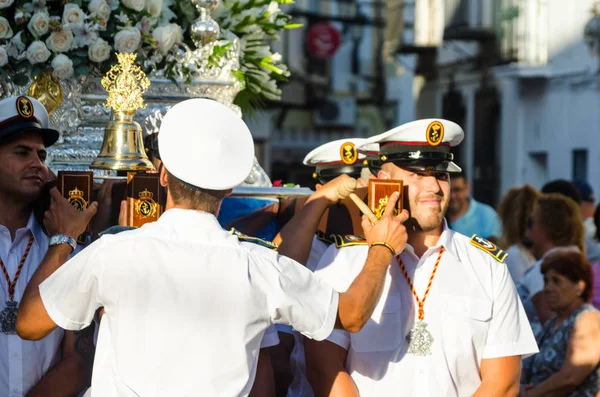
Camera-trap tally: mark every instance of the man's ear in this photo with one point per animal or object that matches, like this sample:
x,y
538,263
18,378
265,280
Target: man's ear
x,y
318,186
383,175
164,178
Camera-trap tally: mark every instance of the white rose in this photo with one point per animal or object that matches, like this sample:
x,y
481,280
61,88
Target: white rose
x,y
128,40
73,16
61,41
99,7
136,5
99,51
167,36
39,23
62,67
154,7
5,30
37,52
6,3
3,56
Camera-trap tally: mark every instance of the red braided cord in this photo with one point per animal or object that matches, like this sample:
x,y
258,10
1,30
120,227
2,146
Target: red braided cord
x,y
420,302
12,285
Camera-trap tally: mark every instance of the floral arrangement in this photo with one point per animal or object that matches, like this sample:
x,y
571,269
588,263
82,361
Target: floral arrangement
x,y
80,37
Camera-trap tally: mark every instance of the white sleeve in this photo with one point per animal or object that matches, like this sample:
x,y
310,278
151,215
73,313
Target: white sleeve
x,y
294,295
71,294
270,338
510,333
339,268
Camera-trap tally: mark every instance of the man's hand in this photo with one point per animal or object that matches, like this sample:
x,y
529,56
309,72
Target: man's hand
x,y
123,214
63,218
390,228
336,189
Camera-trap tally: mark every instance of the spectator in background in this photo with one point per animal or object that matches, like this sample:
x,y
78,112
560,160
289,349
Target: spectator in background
x,y
514,210
568,363
596,265
467,215
587,205
564,187
555,224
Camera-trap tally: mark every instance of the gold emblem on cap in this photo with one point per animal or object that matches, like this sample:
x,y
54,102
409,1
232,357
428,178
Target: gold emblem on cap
x,y
314,175
348,153
365,162
435,133
383,158
24,107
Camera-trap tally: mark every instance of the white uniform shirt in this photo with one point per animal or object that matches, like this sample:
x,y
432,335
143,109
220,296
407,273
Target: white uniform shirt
x,y
472,311
186,306
23,363
300,387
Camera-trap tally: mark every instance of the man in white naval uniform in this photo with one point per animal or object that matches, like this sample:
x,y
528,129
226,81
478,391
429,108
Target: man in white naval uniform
x,y
186,304
60,363
449,322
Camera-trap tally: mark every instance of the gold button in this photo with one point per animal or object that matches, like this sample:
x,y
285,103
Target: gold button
x,y
383,158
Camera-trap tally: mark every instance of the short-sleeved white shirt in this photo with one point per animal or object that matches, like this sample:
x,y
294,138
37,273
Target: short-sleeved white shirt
x,y
473,312
186,306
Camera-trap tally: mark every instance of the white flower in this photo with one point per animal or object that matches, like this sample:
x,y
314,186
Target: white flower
x,y
5,30
3,56
6,3
73,16
167,36
100,8
123,18
99,51
61,41
154,7
166,14
37,52
16,48
38,5
84,38
113,4
273,8
128,40
275,58
62,67
39,23
136,5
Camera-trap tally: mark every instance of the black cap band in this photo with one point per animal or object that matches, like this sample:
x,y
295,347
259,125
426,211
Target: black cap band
x,y
326,174
21,125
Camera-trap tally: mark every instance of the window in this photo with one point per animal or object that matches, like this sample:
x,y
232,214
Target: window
x,y
580,164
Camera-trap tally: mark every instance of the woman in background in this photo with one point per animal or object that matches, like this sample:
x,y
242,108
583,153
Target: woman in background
x,y
568,363
514,210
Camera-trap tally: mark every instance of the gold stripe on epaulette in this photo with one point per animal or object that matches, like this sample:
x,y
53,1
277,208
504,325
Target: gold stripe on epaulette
x,y
348,240
489,247
324,237
254,240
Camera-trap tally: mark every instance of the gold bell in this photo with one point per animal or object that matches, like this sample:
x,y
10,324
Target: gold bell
x,y
123,146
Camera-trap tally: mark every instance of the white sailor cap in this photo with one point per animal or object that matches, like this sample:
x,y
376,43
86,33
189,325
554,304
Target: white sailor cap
x,y
206,144
336,158
20,114
422,145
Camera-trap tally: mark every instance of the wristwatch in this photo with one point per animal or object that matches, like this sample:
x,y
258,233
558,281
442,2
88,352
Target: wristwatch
x,y
58,239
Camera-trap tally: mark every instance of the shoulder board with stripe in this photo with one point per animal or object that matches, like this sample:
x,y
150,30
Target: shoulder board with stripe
x,y
347,240
489,247
255,240
327,239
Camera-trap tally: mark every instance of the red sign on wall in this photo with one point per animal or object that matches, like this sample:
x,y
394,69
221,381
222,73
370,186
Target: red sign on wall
x,y
323,40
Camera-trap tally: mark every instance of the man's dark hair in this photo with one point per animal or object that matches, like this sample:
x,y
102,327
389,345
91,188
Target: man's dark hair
x,y
564,187
194,197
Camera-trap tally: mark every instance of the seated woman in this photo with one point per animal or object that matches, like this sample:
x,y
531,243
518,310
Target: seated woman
x,y
568,363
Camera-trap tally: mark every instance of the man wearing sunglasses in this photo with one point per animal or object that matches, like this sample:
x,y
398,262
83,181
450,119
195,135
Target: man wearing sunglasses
x,y
449,321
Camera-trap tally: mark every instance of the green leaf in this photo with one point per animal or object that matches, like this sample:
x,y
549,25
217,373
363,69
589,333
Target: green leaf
x,y
82,70
81,53
293,25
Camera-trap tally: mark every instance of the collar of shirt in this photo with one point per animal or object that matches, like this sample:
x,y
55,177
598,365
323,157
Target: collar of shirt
x,y
445,241
188,217
39,237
